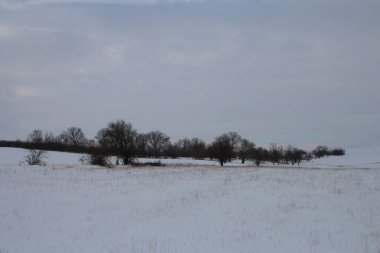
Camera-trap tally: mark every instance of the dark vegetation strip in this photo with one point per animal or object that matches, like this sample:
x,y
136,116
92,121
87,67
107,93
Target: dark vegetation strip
x,y
120,139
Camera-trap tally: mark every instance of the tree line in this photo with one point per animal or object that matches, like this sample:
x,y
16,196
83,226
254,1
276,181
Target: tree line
x,y
121,139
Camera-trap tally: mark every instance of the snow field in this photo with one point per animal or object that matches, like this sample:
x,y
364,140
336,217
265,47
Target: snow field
x,y
359,157
60,208
16,156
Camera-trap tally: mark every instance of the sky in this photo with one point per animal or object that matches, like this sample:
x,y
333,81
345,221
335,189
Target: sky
x,y
300,72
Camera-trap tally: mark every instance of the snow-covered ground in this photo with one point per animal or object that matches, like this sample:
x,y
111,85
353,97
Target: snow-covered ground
x,y
67,207
16,156
363,157
359,157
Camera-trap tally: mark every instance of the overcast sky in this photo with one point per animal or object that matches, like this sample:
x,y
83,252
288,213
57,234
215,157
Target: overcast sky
x,y
299,72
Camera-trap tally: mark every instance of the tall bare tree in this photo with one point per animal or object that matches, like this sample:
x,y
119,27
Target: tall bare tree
x,y
35,136
157,141
276,153
260,155
246,150
222,149
49,138
183,147
120,137
235,140
73,136
294,155
197,148
141,145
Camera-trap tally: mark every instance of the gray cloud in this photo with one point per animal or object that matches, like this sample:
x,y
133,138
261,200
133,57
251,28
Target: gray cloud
x,y
300,74
22,4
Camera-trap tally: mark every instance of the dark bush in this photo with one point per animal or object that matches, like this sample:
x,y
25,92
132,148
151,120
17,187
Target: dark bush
x,y
96,156
320,151
337,152
142,164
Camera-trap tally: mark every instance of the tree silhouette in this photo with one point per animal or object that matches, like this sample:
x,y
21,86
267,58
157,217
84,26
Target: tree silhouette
x,y
246,150
222,149
157,141
120,137
73,136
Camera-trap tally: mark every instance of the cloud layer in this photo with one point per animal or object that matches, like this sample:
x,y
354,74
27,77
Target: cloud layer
x,y
22,4
290,73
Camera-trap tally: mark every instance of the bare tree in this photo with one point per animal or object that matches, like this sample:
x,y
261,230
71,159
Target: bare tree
x,y
276,153
120,137
173,151
141,145
294,155
73,136
197,148
222,149
35,137
157,141
260,155
320,151
235,140
183,147
246,150
49,138
35,157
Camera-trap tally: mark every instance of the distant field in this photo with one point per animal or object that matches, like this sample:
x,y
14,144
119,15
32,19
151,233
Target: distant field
x,y
73,208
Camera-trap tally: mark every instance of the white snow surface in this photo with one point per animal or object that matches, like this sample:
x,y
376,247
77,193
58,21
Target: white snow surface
x,y
13,156
67,207
364,157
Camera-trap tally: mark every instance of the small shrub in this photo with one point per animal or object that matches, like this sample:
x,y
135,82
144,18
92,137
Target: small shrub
x,y
96,158
35,157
